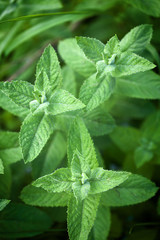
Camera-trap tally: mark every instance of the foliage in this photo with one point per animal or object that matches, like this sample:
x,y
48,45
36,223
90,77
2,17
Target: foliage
x,y
83,137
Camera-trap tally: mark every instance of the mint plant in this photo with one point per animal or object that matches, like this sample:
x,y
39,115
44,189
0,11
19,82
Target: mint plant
x,y
43,101
70,110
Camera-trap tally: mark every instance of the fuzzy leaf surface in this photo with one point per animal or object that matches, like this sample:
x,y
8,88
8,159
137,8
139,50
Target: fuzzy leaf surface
x,y
58,181
137,39
128,63
10,151
102,180
134,190
94,92
91,47
34,133
20,92
145,85
81,216
102,223
62,101
80,139
75,57
48,72
39,197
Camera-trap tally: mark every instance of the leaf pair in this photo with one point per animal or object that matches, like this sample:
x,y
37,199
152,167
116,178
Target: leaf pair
x,y
83,182
81,185
43,101
115,60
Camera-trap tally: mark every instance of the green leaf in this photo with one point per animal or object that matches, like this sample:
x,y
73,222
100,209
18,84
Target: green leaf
x,y
34,133
134,190
41,5
80,190
1,167
4,203
141,85
7,104
99,122
39,28
94,92
128,63
81,217
80,171
10,151
51,157
151,8
20,92
102,180
75,58
80,139
102,223
39,197
14,224
126,138
151,130
112,48
79,165
142,156
69,81
58,181
137,39
48,72
62,101
91,47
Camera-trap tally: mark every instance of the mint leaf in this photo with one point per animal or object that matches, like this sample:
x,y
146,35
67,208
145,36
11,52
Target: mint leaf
x,y
80,139
137,39
80,190
141,85
48,72
10,151
91,47
134,190
99,122
142,156
102,180
3,203
80,173
75,58
20,92
1,167
81,216
62,101
51,157
102,223
112,48
39,197
69,80
128,63
10,106
58,181
34,133
93,92
126,138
